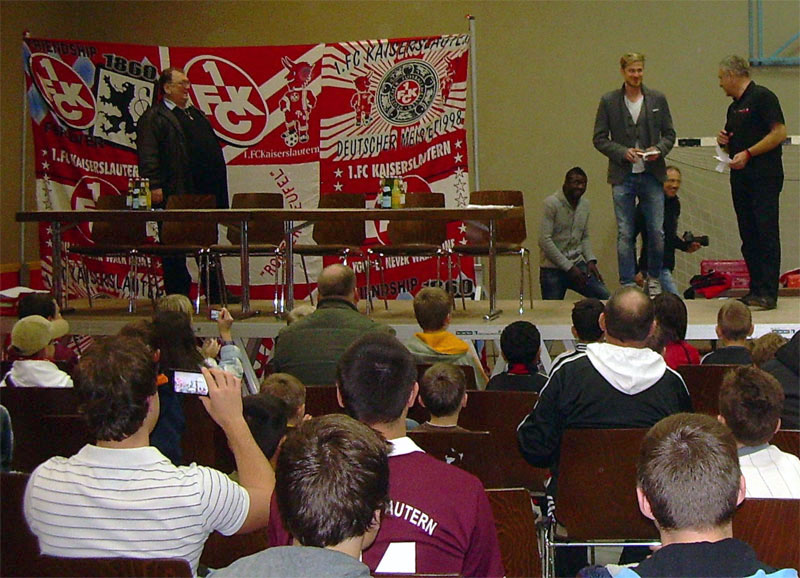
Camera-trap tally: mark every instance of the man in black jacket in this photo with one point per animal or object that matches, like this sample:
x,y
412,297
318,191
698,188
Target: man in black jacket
x,y
180,154
786,367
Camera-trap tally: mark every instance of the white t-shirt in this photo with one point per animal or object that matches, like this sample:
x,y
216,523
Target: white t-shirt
x,y
635,108
106,502
770,473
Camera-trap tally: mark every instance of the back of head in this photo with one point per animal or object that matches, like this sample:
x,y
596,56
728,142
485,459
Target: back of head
x,y
520,342
266,416
287,388
431,308
629,315
176,340
689,471
442,388
375,376
175,302
751,401
585,319
765,347
36,304
336,281
114,379
672,317
142,329
734,320
332,476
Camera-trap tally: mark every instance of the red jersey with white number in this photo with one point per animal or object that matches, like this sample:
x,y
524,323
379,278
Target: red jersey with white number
x,y
439,520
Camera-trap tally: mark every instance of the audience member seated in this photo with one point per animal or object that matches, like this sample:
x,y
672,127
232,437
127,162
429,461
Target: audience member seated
x,y
432,307
45,305
332,486
32,340
585,328
122,497
670,334
765,347
444,392
734,326
520,344
439,520
785,369
310,347
689,483
617,384
292,392
750,403
6,440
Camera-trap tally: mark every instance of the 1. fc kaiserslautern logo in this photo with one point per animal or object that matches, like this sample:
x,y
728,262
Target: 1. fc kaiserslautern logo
x,y
407,91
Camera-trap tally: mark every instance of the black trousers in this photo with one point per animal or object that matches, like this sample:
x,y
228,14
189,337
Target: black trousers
x,y
755,200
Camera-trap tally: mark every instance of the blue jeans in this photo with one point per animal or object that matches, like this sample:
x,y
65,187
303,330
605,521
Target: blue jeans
x,y
667,283
555,282
650,193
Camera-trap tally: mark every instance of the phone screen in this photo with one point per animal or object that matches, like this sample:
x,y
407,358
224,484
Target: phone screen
x,y
191,382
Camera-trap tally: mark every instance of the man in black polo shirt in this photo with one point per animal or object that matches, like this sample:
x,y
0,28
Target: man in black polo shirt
x,y
753,134
180,154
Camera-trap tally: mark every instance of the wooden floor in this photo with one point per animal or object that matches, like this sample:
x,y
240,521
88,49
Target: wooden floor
x,y
551,317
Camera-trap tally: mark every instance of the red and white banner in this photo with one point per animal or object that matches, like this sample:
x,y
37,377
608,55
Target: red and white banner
x,y
299,120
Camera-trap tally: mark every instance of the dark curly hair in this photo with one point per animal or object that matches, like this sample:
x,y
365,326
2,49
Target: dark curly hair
x,y
114,379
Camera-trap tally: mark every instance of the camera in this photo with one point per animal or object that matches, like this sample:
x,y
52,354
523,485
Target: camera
x,y
690,237
214,314
189,382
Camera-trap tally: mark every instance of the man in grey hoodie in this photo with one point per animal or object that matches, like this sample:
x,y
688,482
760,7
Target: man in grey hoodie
x,y
617,384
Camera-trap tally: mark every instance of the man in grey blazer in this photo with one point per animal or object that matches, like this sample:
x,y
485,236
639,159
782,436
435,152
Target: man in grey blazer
x,y
633,128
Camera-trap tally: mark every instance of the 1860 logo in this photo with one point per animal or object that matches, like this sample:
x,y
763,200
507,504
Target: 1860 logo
x,y
407,91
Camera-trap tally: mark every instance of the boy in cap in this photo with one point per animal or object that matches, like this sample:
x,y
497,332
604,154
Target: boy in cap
x,y
32,340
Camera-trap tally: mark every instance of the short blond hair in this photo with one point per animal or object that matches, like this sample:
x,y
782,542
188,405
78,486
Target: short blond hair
x,y
629,58
175,302
734,320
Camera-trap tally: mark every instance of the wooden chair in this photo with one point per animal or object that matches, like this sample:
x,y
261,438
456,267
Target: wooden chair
x,y
772,528
221,551
19,547
414,238
342,239
113,567
703,383
516,531
471,451
46,424
321,400
510,235
188,238
264,239
598,466
114,240
500,412
788,440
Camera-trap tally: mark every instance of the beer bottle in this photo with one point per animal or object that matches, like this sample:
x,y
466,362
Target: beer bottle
x,y
143,194
135,195
386,194
396,193
148,195
129,196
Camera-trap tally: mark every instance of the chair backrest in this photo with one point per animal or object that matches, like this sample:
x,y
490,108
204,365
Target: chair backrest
x,y
19,547
508,230
500,412
772,528
220,551
113,567
703,383
200,233
340,232
788,440
113,233
472,451
423,231
321,400
204,441
597,467
260,230
46,424
516,531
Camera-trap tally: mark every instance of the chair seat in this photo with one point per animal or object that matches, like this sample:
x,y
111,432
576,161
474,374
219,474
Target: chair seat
x,y
326,250
500,249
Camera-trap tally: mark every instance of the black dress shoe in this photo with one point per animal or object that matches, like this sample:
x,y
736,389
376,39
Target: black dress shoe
x,y
766,303
750,299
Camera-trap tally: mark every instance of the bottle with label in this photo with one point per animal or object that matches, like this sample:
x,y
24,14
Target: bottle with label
x,y
148,197
396,194
135,195
129,196
386,193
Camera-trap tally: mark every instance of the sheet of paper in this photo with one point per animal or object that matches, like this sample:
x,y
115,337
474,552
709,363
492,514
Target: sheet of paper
x,y
15,292
723,158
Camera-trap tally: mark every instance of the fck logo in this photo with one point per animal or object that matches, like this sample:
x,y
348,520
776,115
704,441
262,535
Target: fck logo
x,y
225,91
64,90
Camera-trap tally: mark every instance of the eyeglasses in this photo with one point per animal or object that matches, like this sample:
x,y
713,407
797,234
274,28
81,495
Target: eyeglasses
x,y
184,82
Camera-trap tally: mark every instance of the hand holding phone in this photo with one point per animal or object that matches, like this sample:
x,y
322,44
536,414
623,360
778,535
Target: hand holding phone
x,y
189,382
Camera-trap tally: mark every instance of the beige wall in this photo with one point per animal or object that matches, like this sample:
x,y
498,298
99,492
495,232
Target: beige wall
x,y
542,67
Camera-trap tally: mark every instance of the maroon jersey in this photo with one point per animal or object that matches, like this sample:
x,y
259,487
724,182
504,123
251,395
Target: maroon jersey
x,y
439,520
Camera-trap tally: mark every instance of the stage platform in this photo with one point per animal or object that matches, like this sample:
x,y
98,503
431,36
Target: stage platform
x,y
551,317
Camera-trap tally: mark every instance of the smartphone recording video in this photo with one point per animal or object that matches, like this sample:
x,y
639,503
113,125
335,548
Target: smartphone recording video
x,y
190,382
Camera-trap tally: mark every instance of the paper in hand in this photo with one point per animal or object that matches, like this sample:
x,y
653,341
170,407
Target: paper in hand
x,y
723,158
